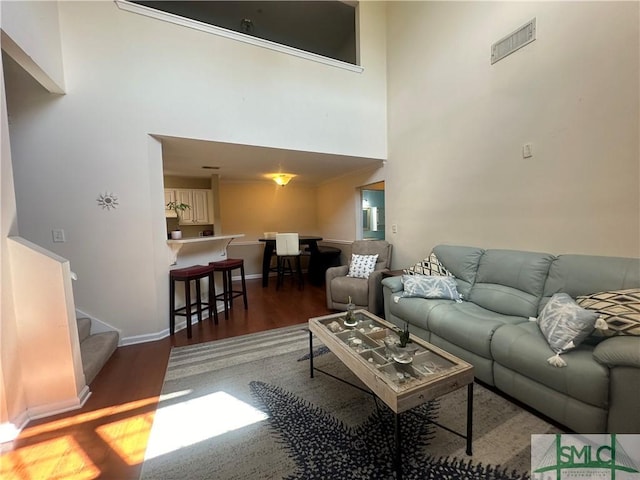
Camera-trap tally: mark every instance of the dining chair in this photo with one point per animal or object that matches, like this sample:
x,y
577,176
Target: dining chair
x,y
288,249
272,267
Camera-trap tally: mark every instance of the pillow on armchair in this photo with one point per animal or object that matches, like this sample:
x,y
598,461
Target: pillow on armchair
x,y
361,266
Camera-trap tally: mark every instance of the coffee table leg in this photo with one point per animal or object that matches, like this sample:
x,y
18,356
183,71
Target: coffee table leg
x,y
469,418
397,459
310,354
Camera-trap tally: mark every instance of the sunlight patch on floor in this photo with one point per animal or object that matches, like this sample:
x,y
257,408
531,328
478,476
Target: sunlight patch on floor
x,y
128,437
192,421
60,458
86,417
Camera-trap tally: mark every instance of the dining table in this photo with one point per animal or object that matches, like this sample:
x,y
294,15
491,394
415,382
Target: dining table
x,y
311,241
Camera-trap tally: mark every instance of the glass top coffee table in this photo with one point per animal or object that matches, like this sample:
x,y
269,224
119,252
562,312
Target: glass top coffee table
x,y
402,380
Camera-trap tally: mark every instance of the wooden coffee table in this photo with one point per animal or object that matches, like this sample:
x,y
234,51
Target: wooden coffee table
x,y
432,372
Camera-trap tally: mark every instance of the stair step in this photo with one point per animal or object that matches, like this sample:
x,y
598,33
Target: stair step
x,y
96,350
84,328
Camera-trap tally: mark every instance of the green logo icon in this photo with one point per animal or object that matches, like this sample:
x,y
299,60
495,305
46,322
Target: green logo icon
x,y
564,456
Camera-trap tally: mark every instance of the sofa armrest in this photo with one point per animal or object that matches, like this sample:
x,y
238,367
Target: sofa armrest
x,y
622,356
375,291
623,351
330,274
333,272
394,284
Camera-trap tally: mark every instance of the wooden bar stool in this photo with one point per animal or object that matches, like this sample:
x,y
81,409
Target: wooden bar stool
x,y
228,294
186,275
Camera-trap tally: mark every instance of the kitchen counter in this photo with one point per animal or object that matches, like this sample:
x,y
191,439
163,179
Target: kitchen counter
x,y
204,239
195,250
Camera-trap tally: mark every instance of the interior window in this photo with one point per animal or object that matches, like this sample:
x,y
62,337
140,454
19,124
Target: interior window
x,y
325,28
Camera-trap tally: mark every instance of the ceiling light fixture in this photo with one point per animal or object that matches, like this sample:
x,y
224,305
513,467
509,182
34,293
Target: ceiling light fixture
x,y
282,178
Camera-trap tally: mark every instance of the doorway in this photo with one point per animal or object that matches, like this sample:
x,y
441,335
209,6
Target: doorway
x,y
372,201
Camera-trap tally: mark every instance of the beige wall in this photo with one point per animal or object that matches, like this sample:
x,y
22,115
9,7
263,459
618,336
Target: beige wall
x,y
455,172
257,207
340,205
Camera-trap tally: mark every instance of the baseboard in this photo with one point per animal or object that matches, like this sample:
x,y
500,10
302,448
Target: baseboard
x,y
97,326
152,337
9,431
60,407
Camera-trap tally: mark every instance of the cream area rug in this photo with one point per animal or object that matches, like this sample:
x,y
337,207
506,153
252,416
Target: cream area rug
x,y
246,408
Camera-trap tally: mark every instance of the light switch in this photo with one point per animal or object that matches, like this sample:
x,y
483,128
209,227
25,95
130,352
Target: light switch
x,y
58,235
394,228
527,150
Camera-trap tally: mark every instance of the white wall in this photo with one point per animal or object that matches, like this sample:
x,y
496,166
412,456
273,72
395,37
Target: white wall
x,y
40,54
12,393
128,76
457,125
31,35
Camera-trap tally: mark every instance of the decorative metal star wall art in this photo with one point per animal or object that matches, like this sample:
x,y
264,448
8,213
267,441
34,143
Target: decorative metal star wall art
x,y
107,200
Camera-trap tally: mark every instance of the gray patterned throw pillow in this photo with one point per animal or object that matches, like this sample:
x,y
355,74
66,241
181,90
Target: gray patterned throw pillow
x,y
565,325
429,286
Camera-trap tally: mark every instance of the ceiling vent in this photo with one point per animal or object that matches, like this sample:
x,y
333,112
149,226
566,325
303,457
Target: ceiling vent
x,y
512,42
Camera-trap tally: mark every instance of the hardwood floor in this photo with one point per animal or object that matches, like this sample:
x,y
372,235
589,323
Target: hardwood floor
x,y
107,438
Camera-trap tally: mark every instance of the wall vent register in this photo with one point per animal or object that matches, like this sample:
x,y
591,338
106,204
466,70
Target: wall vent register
x,y
514,41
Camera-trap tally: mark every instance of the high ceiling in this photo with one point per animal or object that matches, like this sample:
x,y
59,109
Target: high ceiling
x,y
324,27
234,162
187,157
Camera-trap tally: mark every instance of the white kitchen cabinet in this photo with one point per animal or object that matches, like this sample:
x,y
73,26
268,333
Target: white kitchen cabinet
x,y
200,209
169,196
200,201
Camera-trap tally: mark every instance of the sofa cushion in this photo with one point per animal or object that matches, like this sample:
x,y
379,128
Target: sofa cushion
x,y
523,348
564,323
416,311
429,286
511,282
468,326
620,309
462,262
344,287
584,274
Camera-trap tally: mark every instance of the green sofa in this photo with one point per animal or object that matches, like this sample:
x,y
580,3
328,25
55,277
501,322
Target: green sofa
x,y
599,388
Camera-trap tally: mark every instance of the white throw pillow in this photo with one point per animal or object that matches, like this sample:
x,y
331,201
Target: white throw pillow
x,y
361,266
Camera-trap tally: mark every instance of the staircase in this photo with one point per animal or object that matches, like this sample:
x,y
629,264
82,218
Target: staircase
x,y
95,349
